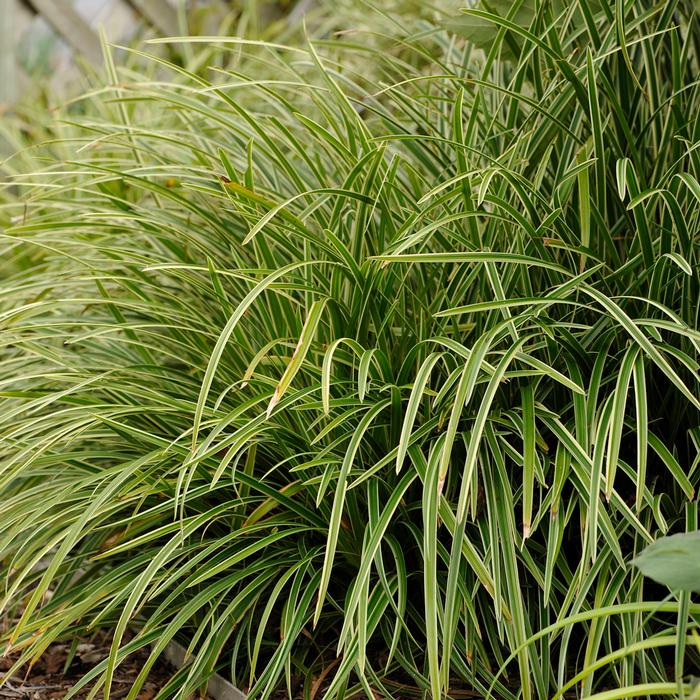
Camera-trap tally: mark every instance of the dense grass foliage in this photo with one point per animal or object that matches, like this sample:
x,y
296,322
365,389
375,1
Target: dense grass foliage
x,y
367,369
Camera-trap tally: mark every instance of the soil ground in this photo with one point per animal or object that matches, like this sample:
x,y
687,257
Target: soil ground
x,y
46,680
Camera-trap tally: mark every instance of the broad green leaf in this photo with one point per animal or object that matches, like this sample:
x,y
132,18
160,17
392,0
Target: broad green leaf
x,y
673,561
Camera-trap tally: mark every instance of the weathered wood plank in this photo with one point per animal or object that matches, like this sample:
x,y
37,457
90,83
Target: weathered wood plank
x,y
218,687
24,16
8,62
68,22
298,12
160,13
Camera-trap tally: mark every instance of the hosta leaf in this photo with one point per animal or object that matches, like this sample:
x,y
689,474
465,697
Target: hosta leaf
x,y
673,561
482,33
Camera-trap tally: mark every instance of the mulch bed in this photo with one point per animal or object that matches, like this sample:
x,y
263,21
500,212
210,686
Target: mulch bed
x,y
51,677
46,680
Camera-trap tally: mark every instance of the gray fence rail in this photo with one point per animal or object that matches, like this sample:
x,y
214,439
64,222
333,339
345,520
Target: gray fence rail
x,y
75,23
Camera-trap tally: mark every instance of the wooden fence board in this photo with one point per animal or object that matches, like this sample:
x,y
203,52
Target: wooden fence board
x,y
24,16
68,22
160,13
8,81
17,22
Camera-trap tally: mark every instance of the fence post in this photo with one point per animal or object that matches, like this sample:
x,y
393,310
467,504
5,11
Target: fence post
x,y
69,24
8,58
160,13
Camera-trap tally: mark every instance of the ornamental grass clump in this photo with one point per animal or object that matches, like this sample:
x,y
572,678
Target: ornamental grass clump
x,y
366,370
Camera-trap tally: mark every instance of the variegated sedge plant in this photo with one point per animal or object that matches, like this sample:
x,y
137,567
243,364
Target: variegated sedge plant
x,y
367,367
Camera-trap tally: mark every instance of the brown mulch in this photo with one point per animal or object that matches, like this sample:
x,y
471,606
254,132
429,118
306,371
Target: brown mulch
x,y
49,679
